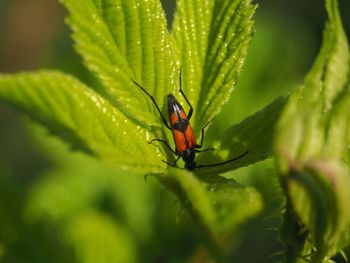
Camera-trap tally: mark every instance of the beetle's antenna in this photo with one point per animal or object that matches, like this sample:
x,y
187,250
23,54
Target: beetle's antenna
x,y
154,102
217,164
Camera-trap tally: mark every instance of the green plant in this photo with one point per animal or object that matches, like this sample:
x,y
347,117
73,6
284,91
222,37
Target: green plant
x,y
312,146
307,131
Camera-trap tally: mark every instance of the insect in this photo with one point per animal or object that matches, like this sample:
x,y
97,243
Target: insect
x,y
185,141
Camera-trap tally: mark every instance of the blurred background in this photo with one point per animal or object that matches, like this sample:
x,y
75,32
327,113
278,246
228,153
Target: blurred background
x,y
57,205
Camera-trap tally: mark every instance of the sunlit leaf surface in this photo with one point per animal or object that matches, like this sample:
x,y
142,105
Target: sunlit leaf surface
x,y
211,40
81,116
123,40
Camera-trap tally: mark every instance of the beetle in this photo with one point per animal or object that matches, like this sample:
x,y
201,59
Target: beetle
x,y
186,146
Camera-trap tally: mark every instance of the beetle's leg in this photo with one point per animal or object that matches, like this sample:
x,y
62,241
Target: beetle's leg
x,y
173,164
170,164
165,142
154,102
198,146
189,115
205,150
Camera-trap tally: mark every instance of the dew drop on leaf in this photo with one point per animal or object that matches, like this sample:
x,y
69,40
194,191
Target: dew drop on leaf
x,y
147,136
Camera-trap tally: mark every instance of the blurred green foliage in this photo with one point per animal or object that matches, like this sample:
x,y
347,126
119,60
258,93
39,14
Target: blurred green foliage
x,y
60,206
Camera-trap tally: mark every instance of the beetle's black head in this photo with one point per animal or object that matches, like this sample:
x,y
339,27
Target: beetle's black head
x,y
188,157
172,102
171,99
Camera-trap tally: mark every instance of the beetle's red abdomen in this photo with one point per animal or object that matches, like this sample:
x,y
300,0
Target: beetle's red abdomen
x,y
182,131
180,141
191,140
184,140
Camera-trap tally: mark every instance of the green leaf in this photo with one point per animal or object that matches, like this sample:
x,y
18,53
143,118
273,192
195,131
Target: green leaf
x,y
211,40
76,113
254,134
217,205
311,110
320,197
232,203
120,40
330,72
312,138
